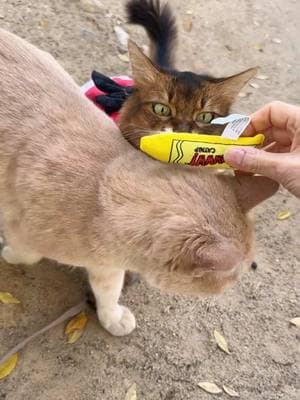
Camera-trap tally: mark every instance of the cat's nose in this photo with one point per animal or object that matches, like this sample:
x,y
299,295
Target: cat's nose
x,y
185,126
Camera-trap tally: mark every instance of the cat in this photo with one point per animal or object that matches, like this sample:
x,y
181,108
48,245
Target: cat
x,y
75,191
165,99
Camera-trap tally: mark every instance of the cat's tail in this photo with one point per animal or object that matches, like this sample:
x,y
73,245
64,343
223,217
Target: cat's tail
x,y
160,25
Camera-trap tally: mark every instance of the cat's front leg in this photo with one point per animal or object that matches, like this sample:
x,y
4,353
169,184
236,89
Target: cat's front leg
x,y
107,286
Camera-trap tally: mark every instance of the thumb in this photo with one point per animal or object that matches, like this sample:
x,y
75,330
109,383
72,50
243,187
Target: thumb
x,y
249,159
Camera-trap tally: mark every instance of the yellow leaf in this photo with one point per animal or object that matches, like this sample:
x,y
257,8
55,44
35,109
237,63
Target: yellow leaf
x,y
210,387
283,215
131,393
295,321
7,298
74,336
221,342
77,323
44,23
230,391
188,24
8,366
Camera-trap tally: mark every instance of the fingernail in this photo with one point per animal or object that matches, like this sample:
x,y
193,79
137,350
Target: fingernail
x,y
234,157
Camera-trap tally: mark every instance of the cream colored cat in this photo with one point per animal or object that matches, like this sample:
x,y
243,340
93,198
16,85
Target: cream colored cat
x,y
73,190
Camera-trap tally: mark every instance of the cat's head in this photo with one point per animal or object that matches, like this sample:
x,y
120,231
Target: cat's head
x,y
166,100
207,254
185,229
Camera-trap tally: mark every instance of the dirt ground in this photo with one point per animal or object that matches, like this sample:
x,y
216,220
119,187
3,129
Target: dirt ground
x,y
172,348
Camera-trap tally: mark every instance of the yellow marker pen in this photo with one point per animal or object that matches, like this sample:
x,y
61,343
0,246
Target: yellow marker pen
x,y
193,149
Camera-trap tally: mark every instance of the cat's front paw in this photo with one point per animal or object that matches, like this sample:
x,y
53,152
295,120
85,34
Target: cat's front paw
x,y
119,322
12,257
9,255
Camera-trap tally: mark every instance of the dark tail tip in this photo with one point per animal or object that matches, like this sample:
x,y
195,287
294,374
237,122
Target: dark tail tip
x,y
160,25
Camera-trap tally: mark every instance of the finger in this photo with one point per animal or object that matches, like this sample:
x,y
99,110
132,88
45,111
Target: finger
x,y
276,148
254,161
279,115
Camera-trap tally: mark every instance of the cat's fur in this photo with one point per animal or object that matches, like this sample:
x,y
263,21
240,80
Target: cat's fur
x,y
156,81
73,190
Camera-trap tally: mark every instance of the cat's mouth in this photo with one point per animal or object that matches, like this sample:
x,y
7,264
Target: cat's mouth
x,y
134,135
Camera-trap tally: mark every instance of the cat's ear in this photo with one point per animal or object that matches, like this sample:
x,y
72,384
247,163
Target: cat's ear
x,y
221,255
215,253
143,69
231,86
252,190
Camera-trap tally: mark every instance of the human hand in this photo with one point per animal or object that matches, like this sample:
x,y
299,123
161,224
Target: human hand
x,y
280,159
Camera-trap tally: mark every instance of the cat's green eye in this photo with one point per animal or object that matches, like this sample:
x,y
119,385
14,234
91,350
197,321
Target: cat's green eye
x,y
205,117
161,109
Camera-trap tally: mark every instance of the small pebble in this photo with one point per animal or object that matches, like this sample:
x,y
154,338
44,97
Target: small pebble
x,y
276,40
254,85
262,77
254,266
122,37
146,49
92,6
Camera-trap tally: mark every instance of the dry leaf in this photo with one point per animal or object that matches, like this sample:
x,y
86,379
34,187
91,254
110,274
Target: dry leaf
x,y
131,393
188,24
221,342
8,366
7,298
77,323
230,391
283,215
210,387
295,321
74,336
124,58
258,47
